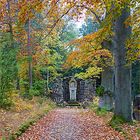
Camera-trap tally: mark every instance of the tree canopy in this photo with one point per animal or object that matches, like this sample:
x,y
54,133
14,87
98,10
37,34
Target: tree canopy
x,y
39,42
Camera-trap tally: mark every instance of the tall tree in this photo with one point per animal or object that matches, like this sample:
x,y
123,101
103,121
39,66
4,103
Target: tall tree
x,y
29,54
123,100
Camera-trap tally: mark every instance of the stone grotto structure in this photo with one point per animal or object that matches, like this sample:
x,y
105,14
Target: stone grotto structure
x,y
73,89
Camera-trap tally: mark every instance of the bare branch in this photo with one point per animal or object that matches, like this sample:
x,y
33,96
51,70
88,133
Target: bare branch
x,y
54,25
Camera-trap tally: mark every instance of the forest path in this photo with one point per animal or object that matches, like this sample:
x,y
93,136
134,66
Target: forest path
x,y
71,124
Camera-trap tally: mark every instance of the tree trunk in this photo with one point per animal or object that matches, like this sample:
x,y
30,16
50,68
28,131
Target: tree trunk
x,y
10,24
29,56
47,83
123,102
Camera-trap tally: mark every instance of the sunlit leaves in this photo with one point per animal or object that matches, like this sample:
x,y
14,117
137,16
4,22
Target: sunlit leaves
x,y
28,9
133,43
2,9
90,72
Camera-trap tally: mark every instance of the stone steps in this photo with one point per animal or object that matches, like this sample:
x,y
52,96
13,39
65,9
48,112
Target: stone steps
x,y
73,103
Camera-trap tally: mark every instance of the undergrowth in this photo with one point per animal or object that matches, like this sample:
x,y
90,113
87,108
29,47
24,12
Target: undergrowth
x,y
99,111
117,123
27,113
26,125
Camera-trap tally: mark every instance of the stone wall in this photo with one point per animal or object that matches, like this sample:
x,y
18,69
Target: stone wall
x,y
85,89
57,91
66,93
136,108
89,89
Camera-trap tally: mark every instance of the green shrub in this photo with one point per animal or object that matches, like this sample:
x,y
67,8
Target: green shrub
x,y
8,68
5,102
100,91
27,95
34,92
101,111
38,87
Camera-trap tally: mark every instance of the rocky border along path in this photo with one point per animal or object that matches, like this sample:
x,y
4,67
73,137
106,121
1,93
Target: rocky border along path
x,y
71,124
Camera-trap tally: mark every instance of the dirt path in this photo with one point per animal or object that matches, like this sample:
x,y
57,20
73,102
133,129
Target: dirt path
x,y
70,124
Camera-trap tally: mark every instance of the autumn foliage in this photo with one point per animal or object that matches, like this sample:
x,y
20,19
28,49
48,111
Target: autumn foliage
x,y
34,50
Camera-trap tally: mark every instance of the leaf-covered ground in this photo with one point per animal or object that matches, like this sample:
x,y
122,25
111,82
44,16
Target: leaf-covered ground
x,y
71,124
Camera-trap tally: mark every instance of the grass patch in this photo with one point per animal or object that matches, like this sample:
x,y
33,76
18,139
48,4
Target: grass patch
x,y
115,123
23,128
29,123
117,120
138,132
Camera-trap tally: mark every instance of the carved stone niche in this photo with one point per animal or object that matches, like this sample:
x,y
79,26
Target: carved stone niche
x,y
73,89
